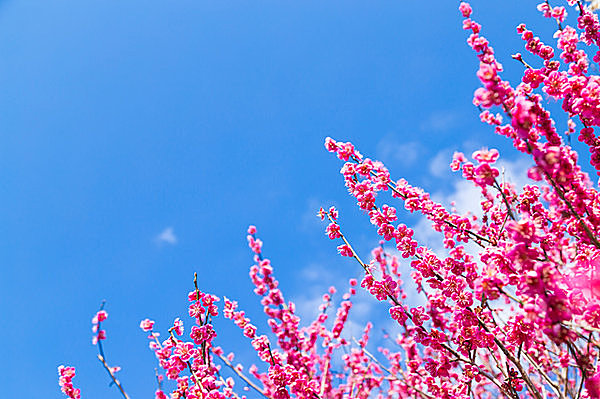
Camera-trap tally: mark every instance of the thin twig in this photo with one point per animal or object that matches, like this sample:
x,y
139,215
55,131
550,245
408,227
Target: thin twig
x,y
112,375
241,375
102,357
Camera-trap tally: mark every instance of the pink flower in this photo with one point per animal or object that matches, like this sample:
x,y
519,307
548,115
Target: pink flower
x,y
398,314
593,386
330,144
185,351
556,83
196,310
159,394
178,326
486,156
321,214
465,9
250,330
345,250
458,158
202,334
100,335
194,296
333,213
522,117
419,315
146,324
333,231
484,174
100,317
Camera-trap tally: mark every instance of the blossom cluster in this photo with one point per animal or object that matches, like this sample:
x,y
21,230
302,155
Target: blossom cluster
x,y
65,377
511,302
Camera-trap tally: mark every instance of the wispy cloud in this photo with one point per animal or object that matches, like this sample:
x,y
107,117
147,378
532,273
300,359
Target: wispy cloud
x,y
309,221
167,236
440,164
440,121
391,149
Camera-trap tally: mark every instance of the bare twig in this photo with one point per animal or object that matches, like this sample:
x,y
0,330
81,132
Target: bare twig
x,y
112,375
241,375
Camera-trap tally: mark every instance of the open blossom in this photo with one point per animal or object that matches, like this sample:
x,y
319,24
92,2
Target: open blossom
x,y
418,315
486,156
333,213
202,334
398,314
484,174
146,324
333,231
100,317
178,326
159,394
465,9
185,351
345,250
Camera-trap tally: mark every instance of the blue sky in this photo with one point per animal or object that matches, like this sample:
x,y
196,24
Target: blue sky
x,y
123,119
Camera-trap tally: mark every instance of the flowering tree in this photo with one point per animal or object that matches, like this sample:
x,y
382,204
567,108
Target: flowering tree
x,y
517,317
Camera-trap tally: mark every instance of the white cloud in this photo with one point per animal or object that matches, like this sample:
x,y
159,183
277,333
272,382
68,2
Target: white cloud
x,y
309,219
440,164
317,273
307,306
317,278
391,149
167,236
440,121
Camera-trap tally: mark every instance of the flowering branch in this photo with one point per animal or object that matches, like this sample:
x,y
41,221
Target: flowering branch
x,y
99,336
241,375
517,314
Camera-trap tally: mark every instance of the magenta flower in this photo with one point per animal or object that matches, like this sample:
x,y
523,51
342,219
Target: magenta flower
x,y
146,324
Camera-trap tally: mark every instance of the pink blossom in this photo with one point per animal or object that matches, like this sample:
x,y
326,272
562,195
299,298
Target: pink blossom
x,y
398,314
465,9
205,333
100,317
146,324
484,174
185,351
345,250
486,156
522,118
333,231
593,386
178,326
